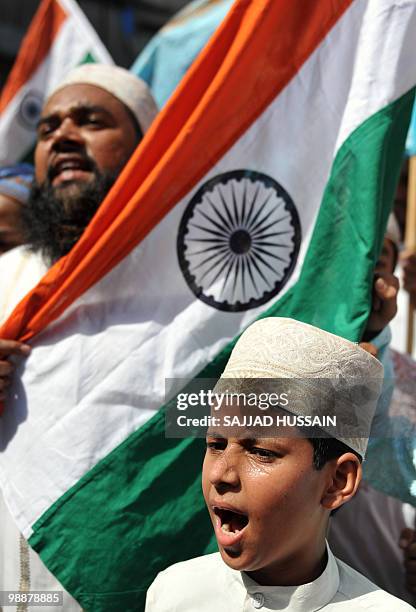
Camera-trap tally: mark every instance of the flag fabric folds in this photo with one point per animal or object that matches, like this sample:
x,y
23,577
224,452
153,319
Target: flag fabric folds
x,y
59,38
262,189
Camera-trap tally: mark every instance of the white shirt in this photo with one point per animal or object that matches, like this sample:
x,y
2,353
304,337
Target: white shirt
x,y
207,584
20,272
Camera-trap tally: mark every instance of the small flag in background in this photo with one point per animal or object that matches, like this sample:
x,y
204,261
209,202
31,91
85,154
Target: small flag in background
x,y
262,189
59,38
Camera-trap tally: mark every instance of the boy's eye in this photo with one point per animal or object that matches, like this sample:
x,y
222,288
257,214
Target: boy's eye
x,y
263,453
216,445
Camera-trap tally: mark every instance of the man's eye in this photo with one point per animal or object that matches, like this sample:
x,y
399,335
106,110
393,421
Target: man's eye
x,y
94,121
45,130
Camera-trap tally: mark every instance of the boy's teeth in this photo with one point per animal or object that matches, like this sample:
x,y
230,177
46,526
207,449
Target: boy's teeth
x,y
226,528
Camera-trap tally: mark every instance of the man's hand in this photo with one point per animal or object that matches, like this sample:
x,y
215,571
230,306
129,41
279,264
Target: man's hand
x,y
408,261
384,307
7,349
408,544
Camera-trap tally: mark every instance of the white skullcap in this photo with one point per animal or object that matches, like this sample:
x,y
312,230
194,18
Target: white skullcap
x,y
327,373
122,84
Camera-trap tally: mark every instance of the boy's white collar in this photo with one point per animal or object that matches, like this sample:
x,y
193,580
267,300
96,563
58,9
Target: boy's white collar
x,y
303,598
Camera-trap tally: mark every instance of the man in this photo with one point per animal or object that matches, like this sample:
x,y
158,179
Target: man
x,y
89,127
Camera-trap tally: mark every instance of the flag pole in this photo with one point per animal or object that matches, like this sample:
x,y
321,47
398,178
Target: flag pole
x,y
410,242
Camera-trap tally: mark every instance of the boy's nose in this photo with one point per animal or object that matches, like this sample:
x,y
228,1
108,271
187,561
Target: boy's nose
x,y
224,472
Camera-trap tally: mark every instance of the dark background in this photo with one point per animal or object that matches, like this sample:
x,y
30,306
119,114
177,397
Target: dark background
x,y
124,27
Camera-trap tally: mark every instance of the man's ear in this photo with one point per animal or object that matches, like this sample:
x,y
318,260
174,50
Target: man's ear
x,y
344,477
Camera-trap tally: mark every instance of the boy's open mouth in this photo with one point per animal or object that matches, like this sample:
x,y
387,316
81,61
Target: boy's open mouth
x,y
232,522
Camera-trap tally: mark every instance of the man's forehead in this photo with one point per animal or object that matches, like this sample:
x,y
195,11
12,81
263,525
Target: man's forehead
x,y
77,96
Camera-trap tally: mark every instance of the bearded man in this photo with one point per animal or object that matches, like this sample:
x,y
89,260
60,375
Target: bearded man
x,y
89,127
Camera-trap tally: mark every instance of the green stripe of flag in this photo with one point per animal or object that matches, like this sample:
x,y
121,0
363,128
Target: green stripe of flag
x,y
148,491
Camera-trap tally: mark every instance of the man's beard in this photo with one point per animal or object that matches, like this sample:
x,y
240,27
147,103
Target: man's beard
x,y
54,219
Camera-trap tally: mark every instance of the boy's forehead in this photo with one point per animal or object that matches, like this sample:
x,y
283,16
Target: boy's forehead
x,y
296,447
249,436
241,422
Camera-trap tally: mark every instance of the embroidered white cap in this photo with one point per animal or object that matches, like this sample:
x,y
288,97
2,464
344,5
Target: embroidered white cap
x,y
328,374
122,84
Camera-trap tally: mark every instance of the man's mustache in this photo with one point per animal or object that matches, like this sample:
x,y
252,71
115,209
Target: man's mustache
x,y
86,162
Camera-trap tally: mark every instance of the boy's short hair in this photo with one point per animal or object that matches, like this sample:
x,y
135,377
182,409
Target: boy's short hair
x,y
325,449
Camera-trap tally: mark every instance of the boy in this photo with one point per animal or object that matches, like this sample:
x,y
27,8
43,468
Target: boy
x,y
270,498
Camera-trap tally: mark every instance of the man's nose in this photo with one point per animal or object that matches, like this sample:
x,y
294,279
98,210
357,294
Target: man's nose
x,y
67,136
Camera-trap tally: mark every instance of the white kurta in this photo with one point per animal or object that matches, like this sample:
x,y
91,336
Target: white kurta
x,y
206,584
20,272
21,569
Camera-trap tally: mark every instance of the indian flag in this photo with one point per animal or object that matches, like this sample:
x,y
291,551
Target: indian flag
x,y
262,189
59,38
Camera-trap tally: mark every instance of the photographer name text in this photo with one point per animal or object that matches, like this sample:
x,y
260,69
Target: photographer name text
x,y
257,421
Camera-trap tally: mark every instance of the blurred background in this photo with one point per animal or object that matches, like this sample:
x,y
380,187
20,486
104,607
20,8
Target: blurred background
x,y
124,27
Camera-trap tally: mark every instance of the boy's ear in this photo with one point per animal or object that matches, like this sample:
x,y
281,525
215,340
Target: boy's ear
x,y
344,477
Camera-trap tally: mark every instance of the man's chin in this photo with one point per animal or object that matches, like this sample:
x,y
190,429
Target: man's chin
x,y
56,215
76,182
71,189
